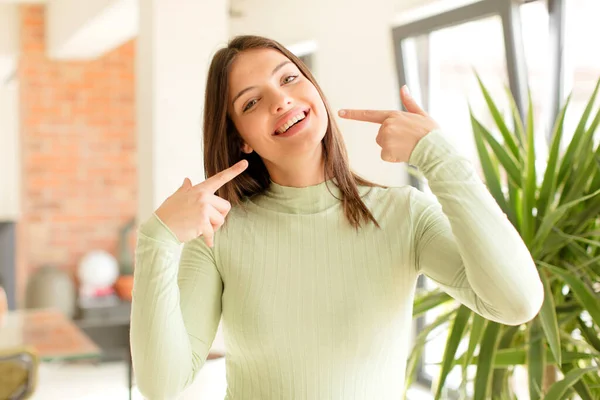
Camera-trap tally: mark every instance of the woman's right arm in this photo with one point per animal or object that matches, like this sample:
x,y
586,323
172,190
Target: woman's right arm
x,y
176,303
176,308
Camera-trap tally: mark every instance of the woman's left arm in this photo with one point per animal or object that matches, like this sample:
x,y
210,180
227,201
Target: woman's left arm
x,y
465,243
462,239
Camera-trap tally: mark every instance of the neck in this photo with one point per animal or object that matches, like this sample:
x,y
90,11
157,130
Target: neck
x,y
304,172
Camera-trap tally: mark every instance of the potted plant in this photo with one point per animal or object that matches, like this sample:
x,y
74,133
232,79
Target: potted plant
x,y
556,210
124,284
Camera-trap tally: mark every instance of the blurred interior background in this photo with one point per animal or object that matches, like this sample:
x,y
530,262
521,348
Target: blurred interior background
x,y
100,119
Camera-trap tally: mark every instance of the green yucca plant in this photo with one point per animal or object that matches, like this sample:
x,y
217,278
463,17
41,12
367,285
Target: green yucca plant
x,y
557,213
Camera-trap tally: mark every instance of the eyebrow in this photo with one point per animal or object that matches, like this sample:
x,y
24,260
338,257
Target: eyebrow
x,y
277,68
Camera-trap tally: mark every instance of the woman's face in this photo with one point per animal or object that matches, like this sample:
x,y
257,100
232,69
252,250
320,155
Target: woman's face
x,y
277,110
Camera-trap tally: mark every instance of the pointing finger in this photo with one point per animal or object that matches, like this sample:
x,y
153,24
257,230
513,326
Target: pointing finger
x,y
375,116
410,103
217,181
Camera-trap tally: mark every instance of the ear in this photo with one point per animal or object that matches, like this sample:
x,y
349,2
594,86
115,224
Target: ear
x,y
247,149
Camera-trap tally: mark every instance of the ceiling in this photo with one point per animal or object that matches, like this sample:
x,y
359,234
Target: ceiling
x,y
23,1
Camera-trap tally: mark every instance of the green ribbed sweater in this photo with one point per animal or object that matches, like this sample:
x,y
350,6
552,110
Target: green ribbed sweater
x,y
313,309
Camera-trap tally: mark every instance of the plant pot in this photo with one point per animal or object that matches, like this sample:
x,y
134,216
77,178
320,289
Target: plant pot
x,y
51,287
3,305
124,286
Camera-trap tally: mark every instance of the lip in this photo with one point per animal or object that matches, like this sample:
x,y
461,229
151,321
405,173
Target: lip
x,y
288,115
297,128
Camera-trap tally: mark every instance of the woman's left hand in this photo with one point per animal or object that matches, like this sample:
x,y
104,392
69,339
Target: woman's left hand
x,y
400,130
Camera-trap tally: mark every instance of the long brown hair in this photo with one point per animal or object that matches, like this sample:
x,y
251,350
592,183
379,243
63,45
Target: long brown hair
x,y
223,144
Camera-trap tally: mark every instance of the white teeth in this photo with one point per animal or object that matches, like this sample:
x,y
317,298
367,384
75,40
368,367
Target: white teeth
x,y
291,122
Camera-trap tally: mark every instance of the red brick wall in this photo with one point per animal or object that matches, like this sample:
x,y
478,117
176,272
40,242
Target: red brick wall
x,y
78,142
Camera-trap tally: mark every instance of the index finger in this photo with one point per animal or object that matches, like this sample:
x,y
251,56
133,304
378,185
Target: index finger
x,y
217,181
376,116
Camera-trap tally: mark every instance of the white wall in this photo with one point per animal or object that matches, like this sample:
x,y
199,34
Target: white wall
x,y
87,29
174,47
10,166
9,40
9,113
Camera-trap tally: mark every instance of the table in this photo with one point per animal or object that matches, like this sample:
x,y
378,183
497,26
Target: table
x,y
107,323
52,334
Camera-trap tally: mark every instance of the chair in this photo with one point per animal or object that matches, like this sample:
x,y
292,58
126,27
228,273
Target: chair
x,y
18,373
18,366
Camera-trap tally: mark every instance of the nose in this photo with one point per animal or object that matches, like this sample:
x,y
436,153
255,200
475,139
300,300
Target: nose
x,y
281,101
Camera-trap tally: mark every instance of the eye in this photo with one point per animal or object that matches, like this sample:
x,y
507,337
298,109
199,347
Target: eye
x,y
289,78
249,105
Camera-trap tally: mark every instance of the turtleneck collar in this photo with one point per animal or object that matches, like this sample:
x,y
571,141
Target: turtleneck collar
x,y
299,200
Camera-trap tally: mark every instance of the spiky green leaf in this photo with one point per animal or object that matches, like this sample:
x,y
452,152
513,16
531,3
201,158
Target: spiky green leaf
x,y
454,338
485,360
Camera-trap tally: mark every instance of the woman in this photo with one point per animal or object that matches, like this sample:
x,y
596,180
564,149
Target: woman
x,y
314,270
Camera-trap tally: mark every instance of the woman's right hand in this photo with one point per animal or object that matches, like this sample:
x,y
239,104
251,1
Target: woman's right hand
x,y
194,211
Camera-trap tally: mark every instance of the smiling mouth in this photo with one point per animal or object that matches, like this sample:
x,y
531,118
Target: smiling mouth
x,y
291,123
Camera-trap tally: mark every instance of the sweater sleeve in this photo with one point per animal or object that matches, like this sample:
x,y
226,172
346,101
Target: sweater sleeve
x,y
465,243
176,308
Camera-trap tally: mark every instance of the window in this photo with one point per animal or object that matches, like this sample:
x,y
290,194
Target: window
x,y
454,54
582,63
580,66
510,45
305,51
437,58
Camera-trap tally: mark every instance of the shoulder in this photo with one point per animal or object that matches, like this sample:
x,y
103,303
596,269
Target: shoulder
x,y
405,200
379,194
389,205
241,209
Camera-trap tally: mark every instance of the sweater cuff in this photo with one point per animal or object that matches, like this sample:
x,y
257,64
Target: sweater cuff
x,y
154,228
438,159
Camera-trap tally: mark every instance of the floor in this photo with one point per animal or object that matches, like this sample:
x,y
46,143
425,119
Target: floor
x,y
109,381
